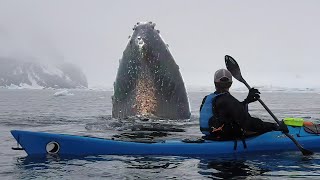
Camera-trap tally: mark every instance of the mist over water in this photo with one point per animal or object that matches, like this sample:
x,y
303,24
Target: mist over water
x,y
273,47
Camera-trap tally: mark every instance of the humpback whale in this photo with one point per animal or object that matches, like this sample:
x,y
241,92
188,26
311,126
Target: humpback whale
x,y
148,82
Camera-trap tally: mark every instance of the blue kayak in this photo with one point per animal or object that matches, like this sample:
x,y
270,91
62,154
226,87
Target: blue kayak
x,y
40,143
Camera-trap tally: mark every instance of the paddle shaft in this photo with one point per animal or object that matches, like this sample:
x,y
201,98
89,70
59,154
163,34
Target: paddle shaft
x,y
234,68
304,151
264,105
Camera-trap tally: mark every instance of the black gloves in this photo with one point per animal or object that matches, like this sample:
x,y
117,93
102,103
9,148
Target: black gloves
x,y
253,96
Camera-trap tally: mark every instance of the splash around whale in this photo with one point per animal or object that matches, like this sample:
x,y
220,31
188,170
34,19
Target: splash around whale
x,y
148,82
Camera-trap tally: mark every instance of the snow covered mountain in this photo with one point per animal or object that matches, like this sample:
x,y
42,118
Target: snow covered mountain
x,y
34,75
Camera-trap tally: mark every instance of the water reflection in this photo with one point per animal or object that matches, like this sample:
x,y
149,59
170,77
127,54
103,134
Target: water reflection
x,y
276,165
153,163
230,168
270,165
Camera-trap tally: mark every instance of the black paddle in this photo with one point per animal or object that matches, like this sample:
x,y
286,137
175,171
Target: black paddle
x,y
234,68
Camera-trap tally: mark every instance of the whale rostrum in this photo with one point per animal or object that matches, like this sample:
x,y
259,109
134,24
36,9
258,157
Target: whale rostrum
x,y
148,82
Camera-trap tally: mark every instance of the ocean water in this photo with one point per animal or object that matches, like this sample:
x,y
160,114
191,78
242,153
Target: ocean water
x,y
88,112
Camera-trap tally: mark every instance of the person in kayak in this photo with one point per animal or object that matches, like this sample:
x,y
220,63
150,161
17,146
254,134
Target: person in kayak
x,y
223,117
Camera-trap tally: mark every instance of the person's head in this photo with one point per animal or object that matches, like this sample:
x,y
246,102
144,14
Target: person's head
x,y
222,80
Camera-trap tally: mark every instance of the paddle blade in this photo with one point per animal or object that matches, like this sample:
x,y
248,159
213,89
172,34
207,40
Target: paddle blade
x,y
233,67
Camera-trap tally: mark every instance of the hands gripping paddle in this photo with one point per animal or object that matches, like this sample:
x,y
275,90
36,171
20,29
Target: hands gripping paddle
x,y
234,68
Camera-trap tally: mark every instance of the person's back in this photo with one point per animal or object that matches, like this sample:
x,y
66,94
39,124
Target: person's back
x,y
223,117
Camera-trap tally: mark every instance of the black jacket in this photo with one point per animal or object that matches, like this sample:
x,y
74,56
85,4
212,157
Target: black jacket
x,y
234,115
228,111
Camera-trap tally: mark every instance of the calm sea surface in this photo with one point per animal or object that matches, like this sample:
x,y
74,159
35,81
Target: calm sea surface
x,y
89,113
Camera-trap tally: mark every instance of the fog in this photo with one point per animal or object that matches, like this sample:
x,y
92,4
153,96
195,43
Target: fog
x,y
275,42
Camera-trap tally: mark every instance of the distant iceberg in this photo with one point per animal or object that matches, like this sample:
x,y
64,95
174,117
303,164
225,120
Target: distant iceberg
x,y
63,93
100,88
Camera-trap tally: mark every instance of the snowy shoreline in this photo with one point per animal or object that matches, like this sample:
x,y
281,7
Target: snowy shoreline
x,y
261,89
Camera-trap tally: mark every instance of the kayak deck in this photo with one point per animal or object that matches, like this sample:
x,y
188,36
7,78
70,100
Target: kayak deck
x,y
41,143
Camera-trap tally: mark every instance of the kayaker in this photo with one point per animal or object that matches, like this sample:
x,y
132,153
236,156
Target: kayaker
x,y
223,117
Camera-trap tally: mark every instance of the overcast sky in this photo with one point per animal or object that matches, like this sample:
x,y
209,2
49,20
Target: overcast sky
x,y
276,42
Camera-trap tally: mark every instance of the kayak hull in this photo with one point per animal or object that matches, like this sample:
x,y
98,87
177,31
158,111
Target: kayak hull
x,y
41,143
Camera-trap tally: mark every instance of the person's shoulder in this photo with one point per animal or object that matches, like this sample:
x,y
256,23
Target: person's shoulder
x,y
225,94
226,97
208,95
231,97
205,97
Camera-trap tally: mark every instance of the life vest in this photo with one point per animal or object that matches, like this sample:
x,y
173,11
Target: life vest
x,y
206,113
